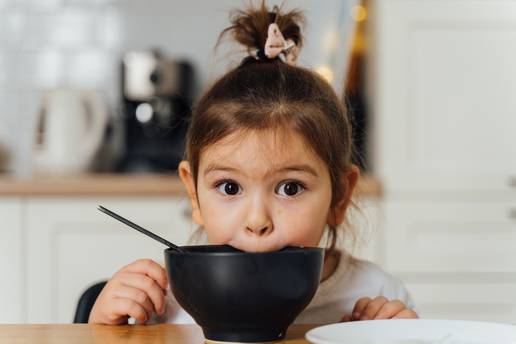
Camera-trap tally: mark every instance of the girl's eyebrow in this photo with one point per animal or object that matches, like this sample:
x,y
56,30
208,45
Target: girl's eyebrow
x,y
291,168
215,167
299,168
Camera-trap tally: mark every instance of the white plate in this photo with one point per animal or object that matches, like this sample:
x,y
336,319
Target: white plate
x,y
413,331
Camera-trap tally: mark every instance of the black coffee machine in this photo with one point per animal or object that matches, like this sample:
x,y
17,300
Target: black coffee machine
x,y
156,106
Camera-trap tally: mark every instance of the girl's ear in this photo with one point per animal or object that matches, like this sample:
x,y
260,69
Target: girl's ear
x,y
185,173
348,181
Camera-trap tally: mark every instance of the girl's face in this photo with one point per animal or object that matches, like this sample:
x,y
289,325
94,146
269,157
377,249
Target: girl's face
x,y
260,191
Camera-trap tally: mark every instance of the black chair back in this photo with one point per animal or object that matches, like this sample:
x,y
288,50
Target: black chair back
x,y
86,302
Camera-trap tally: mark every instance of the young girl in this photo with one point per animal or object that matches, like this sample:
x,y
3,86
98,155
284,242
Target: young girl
x,y
268,165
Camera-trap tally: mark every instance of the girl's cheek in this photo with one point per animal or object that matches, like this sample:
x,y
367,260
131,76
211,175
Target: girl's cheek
x,y
302,225
292,231
222,219
303,234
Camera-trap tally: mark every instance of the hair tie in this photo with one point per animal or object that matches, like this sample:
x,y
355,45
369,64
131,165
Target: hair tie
x,y
276,45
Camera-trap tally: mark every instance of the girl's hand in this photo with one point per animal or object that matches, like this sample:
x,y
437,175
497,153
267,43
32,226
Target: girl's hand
x,y
137,290
379,308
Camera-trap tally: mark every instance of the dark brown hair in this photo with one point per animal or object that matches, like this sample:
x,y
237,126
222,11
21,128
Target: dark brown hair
x,y
269,94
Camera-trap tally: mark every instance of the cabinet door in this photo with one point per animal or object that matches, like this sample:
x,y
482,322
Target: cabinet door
x,y
450,236
11,261
481,297
71,245
445,109
457,259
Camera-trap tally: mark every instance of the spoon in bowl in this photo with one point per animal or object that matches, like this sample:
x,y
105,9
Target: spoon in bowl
x,y
141,229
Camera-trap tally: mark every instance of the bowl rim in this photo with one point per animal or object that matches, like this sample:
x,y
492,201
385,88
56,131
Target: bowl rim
x,y
296,249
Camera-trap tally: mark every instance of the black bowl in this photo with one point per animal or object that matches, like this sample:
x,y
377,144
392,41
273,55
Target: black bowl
x,y
239,296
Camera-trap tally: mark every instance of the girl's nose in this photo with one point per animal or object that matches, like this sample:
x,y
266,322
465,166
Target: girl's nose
x,y
258,220
260,230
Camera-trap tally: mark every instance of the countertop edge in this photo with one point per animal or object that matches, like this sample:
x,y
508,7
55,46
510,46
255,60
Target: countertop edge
x,y
115,185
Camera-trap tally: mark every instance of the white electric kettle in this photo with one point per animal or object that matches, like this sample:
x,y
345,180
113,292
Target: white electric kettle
x,y
70,128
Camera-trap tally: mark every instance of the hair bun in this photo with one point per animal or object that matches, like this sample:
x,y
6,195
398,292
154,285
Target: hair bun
x,y
249,27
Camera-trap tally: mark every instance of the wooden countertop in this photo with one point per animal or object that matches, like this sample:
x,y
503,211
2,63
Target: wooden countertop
x,y
123,185
86,333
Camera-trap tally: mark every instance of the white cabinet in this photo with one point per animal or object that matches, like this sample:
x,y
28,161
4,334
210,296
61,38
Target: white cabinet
x,y
68,245
456,258
444,146
11,262
450,236
444,90
481,297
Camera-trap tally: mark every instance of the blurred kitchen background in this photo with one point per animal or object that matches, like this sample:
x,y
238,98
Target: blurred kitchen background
x,y
95,97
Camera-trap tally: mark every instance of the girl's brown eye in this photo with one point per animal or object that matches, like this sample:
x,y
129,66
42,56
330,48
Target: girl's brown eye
x,y
289,188
229,188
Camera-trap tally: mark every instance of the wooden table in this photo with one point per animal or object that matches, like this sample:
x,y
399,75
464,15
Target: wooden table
x,y
130,334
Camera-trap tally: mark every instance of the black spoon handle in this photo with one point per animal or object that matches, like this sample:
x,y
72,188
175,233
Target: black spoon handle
x,y
140,229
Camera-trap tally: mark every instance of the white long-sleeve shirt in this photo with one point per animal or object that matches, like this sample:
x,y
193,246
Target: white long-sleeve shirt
x,y
336,296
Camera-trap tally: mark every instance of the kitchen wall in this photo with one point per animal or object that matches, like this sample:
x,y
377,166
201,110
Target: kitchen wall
x,y
79,43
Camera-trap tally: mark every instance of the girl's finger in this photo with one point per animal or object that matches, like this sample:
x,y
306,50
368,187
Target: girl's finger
x,y
130,307
359,307
406,314
137,295
150,268
390,309
373,307
148,285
